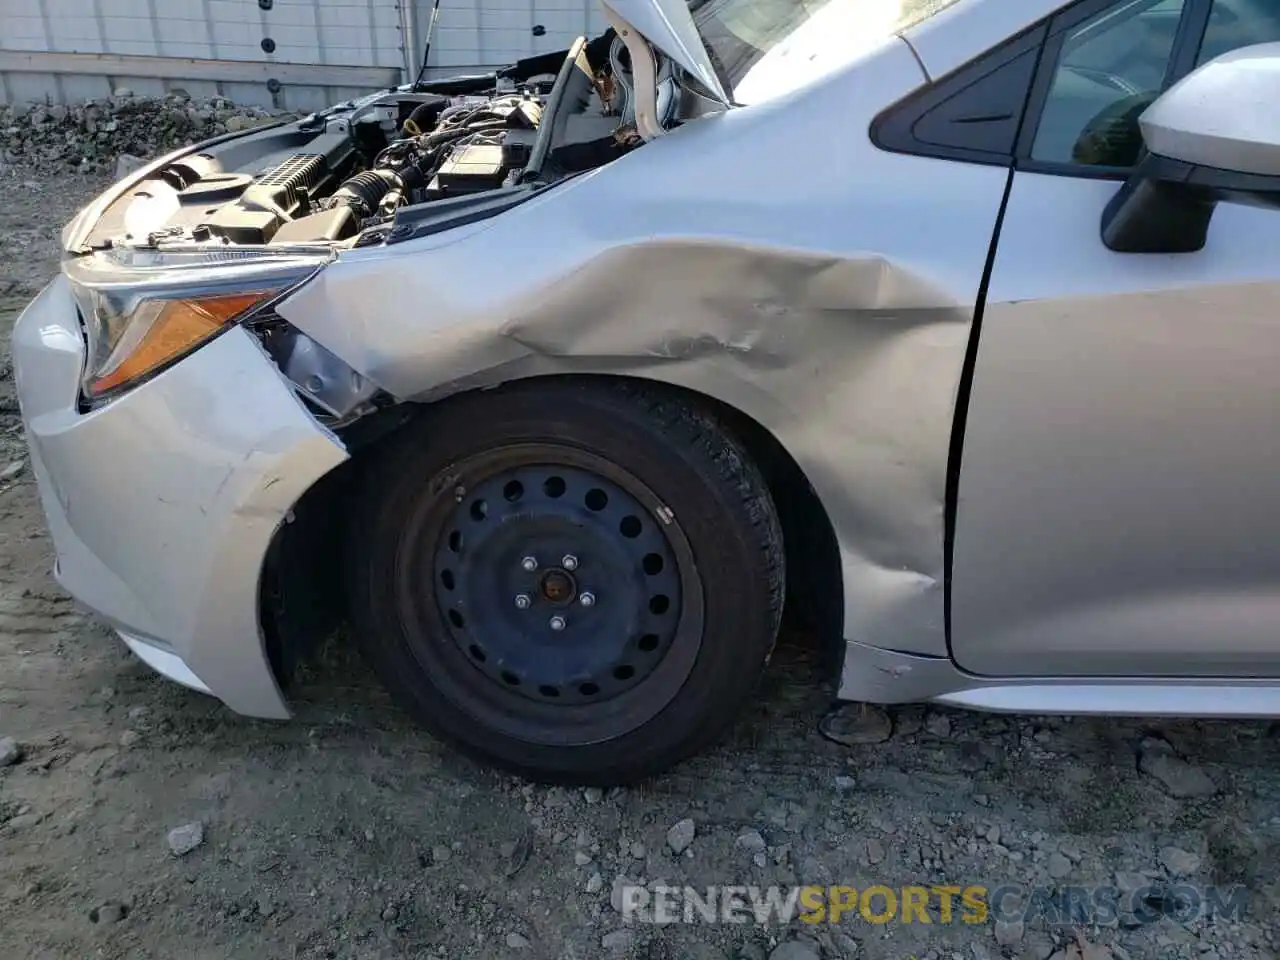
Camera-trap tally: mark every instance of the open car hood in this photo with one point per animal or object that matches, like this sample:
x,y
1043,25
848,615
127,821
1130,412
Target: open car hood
x,y
668,26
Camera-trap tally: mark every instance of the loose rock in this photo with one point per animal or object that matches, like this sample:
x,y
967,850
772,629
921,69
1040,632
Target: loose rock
x,y
1239,854
517,852
616,894
617,942
939,725
1178,862
794,950
184,839
847,946
1038,947
12,470
127,163
875,850
109,912
1128,881
517,941
1180,779
118,133
23,821
1009,934
1058,865
681,835
856,724
750,840
10,751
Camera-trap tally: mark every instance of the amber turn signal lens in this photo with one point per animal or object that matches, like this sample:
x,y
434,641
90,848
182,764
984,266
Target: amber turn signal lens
x,y
179,326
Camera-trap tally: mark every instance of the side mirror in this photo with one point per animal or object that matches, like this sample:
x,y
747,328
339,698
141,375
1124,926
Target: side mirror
x,y
1213,135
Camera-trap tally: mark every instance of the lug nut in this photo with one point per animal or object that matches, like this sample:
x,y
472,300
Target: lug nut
x,y
522,601
588,599
529,563
569,562
557,623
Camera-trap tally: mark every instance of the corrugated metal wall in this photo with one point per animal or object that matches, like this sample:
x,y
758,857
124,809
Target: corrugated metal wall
x,y
488,32
298,54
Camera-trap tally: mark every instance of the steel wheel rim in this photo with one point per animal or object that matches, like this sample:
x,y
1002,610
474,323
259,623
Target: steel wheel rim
x,y
462,571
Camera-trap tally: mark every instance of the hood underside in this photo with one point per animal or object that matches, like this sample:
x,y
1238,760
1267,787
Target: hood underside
x,y
668,25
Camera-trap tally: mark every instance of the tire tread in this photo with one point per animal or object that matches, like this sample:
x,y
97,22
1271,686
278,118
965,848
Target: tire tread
x,y
691,432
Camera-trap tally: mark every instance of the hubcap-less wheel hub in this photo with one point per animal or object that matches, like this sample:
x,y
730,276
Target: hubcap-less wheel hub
x,y
557,584
558,587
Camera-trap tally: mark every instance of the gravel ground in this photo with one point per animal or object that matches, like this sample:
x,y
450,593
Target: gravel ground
x,y
141,820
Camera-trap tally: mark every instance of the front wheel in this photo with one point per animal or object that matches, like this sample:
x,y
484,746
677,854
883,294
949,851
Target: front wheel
x,y
579,581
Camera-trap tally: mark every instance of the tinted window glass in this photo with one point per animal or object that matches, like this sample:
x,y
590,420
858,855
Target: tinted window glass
x,y
788,34
1239,23
1109,69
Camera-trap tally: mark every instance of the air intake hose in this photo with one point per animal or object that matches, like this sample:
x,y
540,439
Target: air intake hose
x,y
363,192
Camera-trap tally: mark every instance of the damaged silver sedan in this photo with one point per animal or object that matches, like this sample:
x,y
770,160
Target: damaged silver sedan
x,y
945,326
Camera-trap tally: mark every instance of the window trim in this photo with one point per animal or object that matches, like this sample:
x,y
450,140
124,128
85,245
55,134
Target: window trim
x,y
1186,46
891,128
1182,57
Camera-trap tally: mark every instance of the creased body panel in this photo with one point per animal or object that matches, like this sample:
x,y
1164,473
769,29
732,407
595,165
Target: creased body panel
x,y
770,257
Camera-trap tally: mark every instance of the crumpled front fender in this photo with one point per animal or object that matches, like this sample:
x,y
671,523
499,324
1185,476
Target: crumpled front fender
x,y
819,304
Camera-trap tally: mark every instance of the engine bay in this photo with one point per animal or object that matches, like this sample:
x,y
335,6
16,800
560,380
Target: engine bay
x,y
361,173
344,176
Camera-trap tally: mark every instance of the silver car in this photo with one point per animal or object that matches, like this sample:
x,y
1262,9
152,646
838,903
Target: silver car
x,y
948,327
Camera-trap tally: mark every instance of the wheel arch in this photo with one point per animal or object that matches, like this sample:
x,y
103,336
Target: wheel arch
x,y
306,553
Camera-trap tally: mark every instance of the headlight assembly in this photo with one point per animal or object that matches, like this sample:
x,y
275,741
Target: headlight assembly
x,y
145,310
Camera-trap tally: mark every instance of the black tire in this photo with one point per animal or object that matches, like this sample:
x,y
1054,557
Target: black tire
x,y
482,483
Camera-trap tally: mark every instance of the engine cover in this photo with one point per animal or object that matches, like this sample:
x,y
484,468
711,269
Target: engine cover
x,y
280,193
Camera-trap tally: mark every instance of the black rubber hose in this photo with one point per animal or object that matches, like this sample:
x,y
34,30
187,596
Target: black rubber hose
x,y
365,190
456,133
410,177
424,117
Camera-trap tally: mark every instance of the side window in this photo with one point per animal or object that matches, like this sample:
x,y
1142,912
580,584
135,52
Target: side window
x,y
1109,68
1239,23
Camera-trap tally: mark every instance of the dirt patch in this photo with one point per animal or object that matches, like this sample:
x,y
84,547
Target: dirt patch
x,y
348,833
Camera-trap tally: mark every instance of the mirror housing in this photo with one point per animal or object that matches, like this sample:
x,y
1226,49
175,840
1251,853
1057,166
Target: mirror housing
x,y
1213,135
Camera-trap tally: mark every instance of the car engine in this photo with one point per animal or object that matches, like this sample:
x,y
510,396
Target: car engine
x,y
361,172
343,175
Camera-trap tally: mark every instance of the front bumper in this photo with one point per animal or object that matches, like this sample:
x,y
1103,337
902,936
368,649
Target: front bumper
x,y
162,503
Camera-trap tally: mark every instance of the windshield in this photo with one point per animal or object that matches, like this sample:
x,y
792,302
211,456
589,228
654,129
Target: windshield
x,y
790,41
